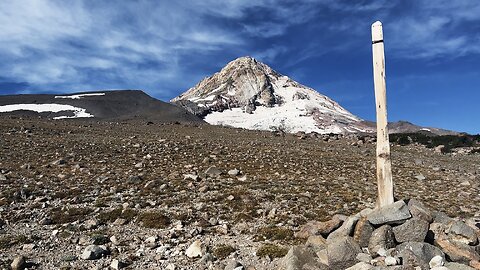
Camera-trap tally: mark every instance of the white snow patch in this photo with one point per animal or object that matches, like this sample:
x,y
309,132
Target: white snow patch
x,y
81,95
426,129
264,118
49,107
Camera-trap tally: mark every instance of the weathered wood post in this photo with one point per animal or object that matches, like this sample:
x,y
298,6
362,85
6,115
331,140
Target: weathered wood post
x,y
384,163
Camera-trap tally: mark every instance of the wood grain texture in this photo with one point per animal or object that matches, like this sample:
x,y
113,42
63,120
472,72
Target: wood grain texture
x,y
384,164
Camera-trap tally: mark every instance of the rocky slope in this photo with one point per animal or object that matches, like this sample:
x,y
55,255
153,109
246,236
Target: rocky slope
x,y
194,196
99,105
249,94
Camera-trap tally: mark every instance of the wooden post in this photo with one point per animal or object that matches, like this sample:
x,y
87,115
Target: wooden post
x,y
384,163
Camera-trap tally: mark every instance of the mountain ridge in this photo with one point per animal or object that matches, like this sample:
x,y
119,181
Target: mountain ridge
x,y
249,94
114,105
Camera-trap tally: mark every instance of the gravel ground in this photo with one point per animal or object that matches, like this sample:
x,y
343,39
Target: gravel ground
x,y
146,192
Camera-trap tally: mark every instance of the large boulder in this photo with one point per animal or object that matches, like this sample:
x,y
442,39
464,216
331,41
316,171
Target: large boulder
x,y
299,258
413,230
461,232
395,213
382,238
94,252
423,251
318,227
363,232
342,252
457,251
345,230
419,210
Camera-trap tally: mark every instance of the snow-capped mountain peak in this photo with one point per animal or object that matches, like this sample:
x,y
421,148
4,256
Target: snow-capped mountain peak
x,y
249,94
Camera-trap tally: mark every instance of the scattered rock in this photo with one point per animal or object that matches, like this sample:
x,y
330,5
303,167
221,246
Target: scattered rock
x,y
457,266
390,261
234,172
117,264
461,232
436,261
234,265
94,252
342,252
213,171
194,250
361,266
423,251
420,177
457,251
419,210
395,213
318,228
382,237
363,232
19,263
413,230
345,230
300,257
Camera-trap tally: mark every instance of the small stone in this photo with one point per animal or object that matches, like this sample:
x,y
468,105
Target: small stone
x,y
364,257
420,177
207,258
3,177
19,263
230,197
190,176
234,172
457,266
233,265
395,213
114,240
59,162
436,261
29,247
361,266
94,252
382,237
318,228
151,241
194,250
390,261
213,171
116,264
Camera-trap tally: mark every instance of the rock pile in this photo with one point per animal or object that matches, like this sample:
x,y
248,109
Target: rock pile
x,y
403,235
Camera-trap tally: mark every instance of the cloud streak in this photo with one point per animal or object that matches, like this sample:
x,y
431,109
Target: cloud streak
x,y
164,47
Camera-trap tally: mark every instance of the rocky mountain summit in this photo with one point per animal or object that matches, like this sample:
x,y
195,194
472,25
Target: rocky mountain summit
x,y
247,93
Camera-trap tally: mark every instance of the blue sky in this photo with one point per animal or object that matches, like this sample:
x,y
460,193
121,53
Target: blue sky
x,y
165,47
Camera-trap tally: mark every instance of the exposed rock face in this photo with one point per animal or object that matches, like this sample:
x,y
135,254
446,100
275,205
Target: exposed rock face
x,y
249,94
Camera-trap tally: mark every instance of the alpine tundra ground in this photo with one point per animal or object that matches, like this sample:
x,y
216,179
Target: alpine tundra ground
x,y
146,192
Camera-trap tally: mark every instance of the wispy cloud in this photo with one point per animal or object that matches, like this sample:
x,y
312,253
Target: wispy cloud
x,y
165,46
